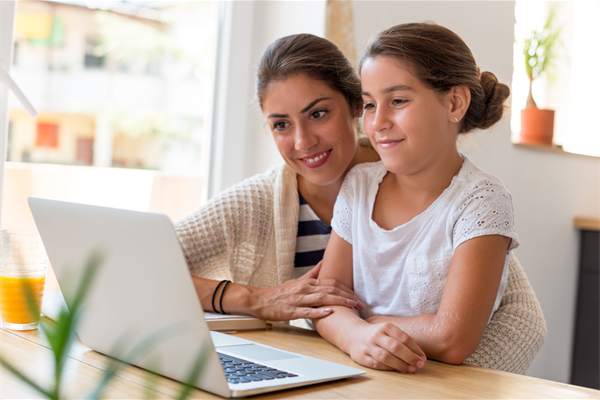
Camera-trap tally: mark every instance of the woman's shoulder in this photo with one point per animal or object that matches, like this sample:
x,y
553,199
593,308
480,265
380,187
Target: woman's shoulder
x,y
255,191
259,183
361,178
367,170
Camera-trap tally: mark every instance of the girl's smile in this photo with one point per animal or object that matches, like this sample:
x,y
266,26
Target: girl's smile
x,y
387,143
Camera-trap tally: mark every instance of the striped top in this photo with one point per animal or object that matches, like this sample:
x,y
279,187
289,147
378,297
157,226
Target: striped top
x,y
312,238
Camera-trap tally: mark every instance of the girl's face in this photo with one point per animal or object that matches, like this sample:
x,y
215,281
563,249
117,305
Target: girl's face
x,y
313,128
409,125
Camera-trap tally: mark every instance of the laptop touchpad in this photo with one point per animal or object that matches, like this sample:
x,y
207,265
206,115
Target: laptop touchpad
x,y
258,353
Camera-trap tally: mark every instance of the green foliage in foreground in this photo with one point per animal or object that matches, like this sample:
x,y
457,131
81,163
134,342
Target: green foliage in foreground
x,y
62,335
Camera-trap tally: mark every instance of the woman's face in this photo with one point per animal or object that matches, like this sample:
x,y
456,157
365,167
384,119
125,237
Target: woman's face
x,y
313,127
410,126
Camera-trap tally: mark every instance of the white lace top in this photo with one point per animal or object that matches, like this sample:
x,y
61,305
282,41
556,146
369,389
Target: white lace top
x,y
403,271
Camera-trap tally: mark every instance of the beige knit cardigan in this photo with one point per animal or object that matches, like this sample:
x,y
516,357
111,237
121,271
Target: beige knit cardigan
x,y
247,234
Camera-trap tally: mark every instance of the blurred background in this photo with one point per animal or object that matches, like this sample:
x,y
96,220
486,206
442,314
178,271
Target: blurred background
x,y
123,91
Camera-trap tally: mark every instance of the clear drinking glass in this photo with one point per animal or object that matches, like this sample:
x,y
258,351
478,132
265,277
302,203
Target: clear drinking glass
x,y
23,263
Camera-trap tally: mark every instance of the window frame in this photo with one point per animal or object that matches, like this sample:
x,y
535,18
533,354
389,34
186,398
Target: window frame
x,y
7,21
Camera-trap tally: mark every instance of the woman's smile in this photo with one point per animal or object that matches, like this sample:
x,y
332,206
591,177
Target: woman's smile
x,y
317,159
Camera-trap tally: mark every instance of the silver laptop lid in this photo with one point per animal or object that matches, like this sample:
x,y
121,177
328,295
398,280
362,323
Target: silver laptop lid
x,y
143,263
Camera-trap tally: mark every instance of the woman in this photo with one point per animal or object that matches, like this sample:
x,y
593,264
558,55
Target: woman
x,y
251,234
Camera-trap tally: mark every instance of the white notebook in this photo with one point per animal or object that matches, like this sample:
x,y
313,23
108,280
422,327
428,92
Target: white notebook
x,y
54,302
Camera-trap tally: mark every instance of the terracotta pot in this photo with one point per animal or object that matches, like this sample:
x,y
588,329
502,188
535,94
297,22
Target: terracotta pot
x,y
537,126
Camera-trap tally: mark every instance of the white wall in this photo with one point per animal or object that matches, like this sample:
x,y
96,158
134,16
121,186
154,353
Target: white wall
x,y
275,19
548,189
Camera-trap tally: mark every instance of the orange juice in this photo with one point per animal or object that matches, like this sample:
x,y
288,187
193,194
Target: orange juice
x,y
14,307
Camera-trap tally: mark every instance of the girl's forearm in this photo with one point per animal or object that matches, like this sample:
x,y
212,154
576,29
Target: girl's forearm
x,y
336,328
442,339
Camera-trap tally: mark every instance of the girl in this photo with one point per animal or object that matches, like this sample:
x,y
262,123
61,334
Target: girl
x,y
424,236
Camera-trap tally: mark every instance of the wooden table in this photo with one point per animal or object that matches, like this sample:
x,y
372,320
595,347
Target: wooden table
x,y
30,352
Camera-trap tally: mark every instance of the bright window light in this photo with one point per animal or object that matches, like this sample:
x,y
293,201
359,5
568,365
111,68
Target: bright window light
x,y
573,93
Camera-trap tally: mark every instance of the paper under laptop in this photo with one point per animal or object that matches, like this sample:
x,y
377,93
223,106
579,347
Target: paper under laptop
x,y
54,303
143,288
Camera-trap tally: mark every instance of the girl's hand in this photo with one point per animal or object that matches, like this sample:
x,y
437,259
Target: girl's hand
x,y
298,298
385,346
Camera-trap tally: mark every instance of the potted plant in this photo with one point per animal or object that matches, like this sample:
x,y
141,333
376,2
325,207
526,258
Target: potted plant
x,y
540,49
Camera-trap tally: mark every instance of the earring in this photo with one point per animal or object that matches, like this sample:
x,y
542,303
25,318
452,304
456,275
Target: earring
x,y
456,119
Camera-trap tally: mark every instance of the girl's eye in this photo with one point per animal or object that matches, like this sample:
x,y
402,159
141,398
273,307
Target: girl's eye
x,y
398,102
318,114
369,106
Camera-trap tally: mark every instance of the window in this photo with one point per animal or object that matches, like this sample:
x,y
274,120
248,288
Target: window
x,y
572,94
123,90
91,58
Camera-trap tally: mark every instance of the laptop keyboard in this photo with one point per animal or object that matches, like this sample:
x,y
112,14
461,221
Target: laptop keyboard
x,y
243,371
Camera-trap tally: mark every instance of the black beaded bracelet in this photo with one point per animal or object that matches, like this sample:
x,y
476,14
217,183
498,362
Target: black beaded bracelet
x,y
221,298
214,295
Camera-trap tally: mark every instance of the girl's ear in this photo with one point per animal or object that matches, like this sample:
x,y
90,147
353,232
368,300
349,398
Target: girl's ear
x,y
460,98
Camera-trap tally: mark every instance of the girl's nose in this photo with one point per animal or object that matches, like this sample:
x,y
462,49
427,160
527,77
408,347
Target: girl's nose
x,y
381,121
305,140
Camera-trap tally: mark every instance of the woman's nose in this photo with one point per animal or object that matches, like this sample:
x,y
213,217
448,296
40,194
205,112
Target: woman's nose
x,y
381,120
305,139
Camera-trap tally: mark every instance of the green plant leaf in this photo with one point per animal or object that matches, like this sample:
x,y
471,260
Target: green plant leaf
x,y
195,371
542,48
109,373
13,370
142,346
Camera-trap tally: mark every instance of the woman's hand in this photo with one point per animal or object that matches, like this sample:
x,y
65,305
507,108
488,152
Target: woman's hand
x,y
298,298
385,346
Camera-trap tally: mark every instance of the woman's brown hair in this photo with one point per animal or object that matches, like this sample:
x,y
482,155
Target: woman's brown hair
x,y
441,60
313,56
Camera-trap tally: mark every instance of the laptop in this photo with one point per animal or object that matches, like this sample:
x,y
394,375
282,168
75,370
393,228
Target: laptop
x,y
144,287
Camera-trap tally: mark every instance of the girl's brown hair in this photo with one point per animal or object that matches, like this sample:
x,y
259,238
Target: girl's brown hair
x,y
313,56
441,60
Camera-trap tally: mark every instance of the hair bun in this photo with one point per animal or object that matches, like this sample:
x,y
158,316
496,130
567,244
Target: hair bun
x,y
495,94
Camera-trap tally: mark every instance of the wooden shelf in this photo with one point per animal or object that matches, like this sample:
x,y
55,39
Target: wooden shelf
x,y
587,223
549,148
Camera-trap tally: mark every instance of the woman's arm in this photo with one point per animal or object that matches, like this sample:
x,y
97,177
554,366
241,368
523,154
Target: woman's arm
x,y
454,332
230,238
379,346
296,298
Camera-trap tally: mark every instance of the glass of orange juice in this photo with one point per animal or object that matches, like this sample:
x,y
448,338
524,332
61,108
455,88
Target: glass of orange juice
x,y
23,264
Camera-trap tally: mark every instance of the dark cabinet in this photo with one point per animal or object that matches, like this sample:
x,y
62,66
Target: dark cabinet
x,y
585,370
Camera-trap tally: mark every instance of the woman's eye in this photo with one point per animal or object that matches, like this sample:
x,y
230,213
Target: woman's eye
x,y
369,106
279,126
318,114
398,102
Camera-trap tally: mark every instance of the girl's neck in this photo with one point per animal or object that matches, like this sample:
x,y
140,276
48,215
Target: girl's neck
x,y
415,192
434,178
